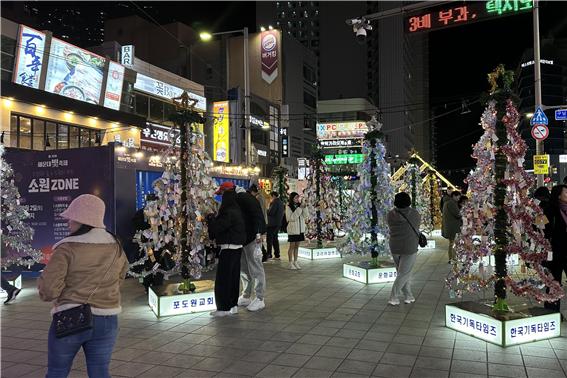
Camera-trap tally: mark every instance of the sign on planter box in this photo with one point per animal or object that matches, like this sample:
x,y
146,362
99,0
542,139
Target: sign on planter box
x,y
181,304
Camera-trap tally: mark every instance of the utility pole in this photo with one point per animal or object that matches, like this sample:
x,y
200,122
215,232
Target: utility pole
x,y
247,131
537,79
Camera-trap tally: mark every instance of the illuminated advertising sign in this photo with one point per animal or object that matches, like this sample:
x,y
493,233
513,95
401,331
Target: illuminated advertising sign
x,y
221,132
541,164
456,14
285,142
157,137
337,143
127,55
341,130
29,57
73,72
269,55
259,123
344,159
160,89
114,80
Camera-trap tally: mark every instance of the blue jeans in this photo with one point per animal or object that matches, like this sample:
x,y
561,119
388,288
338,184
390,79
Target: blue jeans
x,y
97,342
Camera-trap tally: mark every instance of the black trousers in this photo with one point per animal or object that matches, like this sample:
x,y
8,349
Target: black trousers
x,y
7,286
272,241
227,282
557,266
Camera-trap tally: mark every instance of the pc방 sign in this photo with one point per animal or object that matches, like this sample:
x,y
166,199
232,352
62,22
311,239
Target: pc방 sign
x,y
29,57
341,130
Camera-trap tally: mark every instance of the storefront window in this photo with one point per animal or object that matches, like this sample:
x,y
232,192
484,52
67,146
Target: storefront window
x,y
142,105
51,133
85,138
39,140
24,140
13,131
156,110
73,137
63,136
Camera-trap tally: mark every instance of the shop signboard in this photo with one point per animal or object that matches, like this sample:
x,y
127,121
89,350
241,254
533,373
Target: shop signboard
x,y
341,130
49,180
221,132
344,159
338,143
156,137
73,72
127,55
285,142
29,57
160,89
114,81
269,55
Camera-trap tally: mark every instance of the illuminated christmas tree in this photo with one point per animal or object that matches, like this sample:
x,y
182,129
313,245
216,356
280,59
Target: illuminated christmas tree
x,y
432,201
365,226
279,178
321,198
501,212
16,235
411,183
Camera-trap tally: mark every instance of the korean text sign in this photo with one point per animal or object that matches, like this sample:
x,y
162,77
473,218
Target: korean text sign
x,y
114,82
341,130
73,72
29,57
221,132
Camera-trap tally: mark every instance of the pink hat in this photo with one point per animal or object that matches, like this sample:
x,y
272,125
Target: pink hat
x,y
86,209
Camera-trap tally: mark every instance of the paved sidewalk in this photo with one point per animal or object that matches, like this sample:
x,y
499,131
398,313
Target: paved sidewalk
x,y
316,324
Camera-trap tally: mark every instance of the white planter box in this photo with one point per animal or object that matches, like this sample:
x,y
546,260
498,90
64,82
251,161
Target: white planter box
x,y
476,319
17,282
435,233
314,253
362,272
165,300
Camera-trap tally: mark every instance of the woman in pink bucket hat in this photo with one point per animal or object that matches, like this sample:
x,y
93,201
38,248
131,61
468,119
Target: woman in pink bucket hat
x,y
83,279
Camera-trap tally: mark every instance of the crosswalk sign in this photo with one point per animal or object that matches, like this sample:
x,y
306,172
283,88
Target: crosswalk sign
x,y
539,118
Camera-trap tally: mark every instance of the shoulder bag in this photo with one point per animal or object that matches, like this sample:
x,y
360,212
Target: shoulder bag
x,y
422,239
80,318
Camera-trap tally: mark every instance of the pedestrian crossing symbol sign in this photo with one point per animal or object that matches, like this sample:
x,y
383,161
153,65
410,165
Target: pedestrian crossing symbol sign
x,y
539,118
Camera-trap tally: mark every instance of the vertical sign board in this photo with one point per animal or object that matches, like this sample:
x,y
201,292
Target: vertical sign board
x,y
221,132
127,55
269,55
541,164
114,81
285,142
29,57
49,180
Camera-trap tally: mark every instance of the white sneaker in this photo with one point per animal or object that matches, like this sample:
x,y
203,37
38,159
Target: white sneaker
x,y
220,314
296,265
243,301
234,310
394,302
257,304
292,266
409,299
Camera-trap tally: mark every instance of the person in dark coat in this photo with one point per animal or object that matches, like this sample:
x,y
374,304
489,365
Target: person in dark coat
x,y
452,222
557,234
403,246
251,267
228,230
275,217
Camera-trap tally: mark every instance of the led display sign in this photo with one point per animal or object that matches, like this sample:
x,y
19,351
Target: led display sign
x,y
455,14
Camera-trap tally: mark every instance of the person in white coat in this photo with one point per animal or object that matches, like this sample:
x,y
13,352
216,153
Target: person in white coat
x,y
295,214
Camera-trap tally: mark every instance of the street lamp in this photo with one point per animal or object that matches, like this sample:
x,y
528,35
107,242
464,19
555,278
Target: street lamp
x,y
205,36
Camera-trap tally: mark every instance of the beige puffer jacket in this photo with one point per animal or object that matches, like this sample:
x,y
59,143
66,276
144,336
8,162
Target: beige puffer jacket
x,y
78,264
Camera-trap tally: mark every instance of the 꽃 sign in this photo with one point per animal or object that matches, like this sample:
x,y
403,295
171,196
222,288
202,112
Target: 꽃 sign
x,y
159,88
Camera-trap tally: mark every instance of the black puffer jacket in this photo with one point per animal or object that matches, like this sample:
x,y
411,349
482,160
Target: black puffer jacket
x,y
228,226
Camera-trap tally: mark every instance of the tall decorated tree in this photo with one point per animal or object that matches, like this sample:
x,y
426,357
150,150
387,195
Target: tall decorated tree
x,y
411,183
432,201
184,197
365,225
279,178
16,235
501,212
321,198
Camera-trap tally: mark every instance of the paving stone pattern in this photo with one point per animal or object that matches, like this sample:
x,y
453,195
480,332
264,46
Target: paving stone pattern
x,y
316,324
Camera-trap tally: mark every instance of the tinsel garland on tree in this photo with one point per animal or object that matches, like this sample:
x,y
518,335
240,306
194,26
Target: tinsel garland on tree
x,y
280,185
321,199
501,212
411,183
365,225
16,235
432,201
172,210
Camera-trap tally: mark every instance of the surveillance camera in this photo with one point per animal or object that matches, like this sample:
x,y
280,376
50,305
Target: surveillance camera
x,y
361,35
